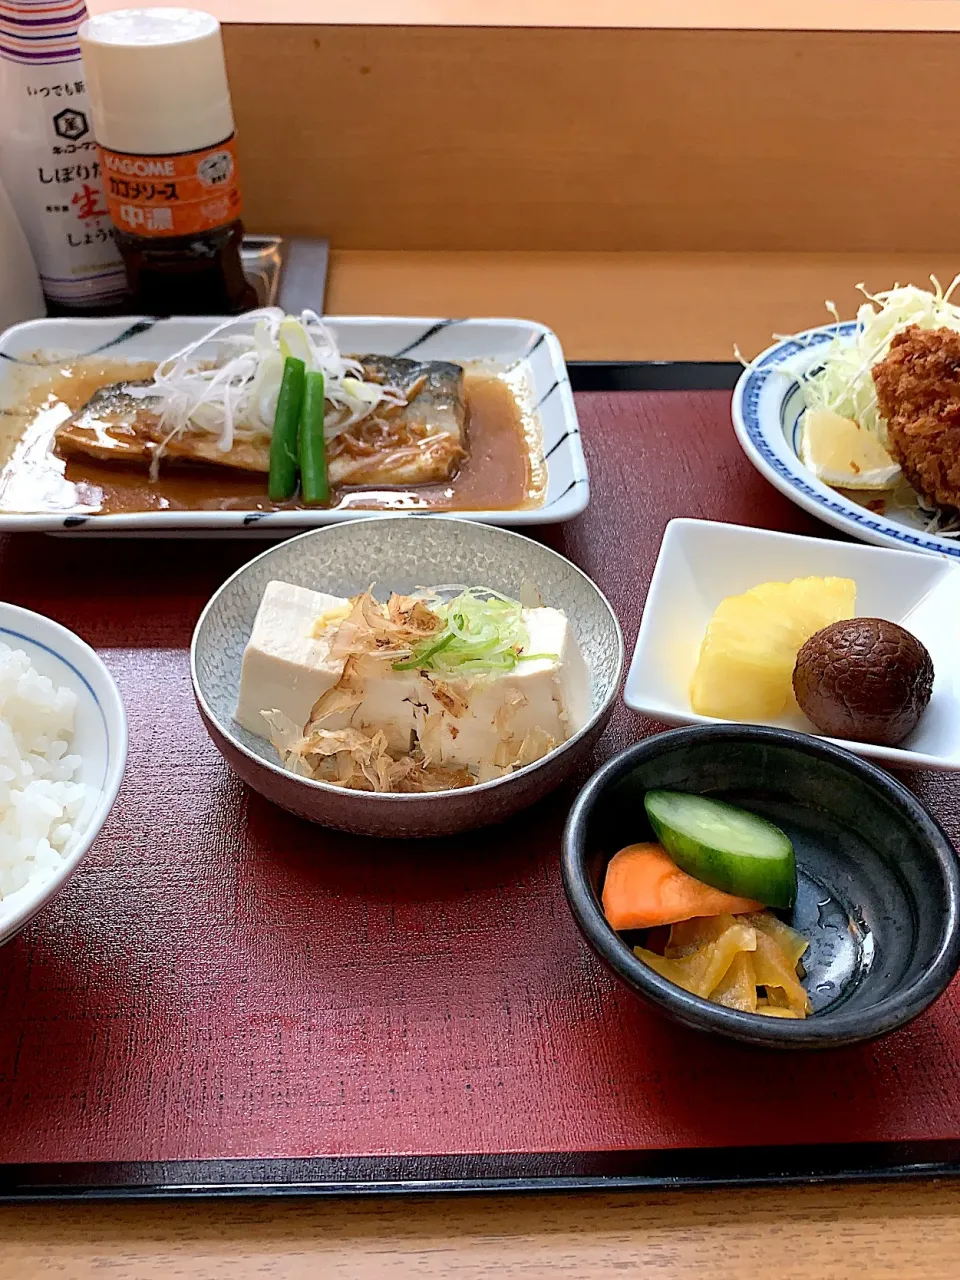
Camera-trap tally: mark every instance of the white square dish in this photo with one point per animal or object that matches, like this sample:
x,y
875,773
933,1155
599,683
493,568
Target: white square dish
x,y
702,562
528,353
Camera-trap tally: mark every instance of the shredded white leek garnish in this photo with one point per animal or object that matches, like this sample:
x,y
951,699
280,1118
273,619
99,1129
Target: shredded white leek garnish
x,y
842,380
227,382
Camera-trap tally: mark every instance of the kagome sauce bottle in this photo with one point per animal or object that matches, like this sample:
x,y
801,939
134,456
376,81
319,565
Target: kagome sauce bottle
x,y
163,120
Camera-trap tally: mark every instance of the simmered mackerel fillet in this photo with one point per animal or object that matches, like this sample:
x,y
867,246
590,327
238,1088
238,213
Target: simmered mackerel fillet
x,y
114,426
422,442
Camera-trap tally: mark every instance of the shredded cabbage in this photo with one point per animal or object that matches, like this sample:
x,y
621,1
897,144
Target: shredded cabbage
x,y
231,390
483,632
842,381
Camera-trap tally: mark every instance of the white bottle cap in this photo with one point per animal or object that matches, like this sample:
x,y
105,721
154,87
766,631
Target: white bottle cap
x,y
157,80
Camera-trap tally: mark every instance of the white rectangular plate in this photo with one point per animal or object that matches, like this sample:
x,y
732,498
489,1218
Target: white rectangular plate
x,y
530,352
702,562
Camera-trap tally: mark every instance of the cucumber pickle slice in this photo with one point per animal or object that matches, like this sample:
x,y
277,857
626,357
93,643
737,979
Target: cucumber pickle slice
x,y
725,847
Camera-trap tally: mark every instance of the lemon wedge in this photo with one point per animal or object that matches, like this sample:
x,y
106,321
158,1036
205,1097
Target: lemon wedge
x,y
843,455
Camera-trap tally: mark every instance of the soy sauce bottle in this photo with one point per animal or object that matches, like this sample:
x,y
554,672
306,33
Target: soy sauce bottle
x,y
49,163
164,124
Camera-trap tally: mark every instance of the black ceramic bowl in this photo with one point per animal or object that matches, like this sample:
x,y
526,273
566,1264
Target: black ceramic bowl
x,y
879,892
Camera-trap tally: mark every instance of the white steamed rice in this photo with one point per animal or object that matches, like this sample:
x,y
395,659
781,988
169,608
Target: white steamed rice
x,y
39,797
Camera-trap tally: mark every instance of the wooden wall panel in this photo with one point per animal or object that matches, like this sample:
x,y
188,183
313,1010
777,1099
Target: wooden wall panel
x,y
628,306
485,139
762,15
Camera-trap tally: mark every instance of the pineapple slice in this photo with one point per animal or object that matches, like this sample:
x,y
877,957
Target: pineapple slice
x,y
745,671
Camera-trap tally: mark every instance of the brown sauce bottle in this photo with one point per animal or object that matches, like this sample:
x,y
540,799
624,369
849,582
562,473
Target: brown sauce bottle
x,y
188,275
164,125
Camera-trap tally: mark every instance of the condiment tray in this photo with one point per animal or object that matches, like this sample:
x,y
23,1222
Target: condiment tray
x,y
526,353
701,562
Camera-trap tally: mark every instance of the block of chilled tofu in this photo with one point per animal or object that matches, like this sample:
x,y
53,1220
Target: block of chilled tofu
x,y
387,705
483,720
285,666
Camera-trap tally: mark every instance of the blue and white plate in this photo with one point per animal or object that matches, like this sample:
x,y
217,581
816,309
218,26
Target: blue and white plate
x,y
768,407
525,353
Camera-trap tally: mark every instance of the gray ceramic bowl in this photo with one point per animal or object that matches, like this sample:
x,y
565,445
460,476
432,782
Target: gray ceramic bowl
x,y
399,553
879,885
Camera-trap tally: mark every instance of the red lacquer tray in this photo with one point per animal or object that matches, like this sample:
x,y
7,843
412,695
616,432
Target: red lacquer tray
x,y
225,998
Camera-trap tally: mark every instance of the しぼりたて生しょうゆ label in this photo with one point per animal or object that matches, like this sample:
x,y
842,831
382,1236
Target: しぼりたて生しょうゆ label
x,y
49,159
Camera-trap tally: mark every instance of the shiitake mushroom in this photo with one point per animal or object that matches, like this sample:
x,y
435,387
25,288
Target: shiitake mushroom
x,y
864,679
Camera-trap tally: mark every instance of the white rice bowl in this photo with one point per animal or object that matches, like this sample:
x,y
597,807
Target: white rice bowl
x,y
40,797
63,749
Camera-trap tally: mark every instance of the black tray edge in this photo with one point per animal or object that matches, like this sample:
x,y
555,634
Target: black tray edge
x,y
653,375
705,1168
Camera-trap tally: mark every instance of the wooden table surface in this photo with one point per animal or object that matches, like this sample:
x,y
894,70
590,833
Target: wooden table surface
x,y
816,1233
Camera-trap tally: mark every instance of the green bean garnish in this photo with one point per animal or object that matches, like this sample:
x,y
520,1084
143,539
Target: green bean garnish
x,y
282,483
314,485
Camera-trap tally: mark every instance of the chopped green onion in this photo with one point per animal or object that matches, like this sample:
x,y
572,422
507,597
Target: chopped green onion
x,y
409,664
314,485
483,633
282,482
